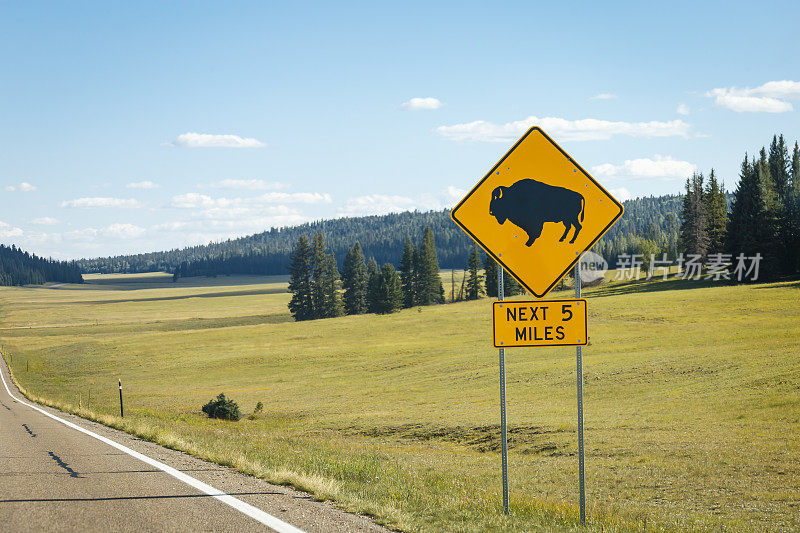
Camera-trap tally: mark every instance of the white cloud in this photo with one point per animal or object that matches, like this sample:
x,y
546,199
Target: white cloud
x,y
571,130
381,204
23,187
177,225
603,96
261,217
658,168
453,195
123,231
683,109
749,104
232,219
621,194
250,184
376,204
770,97
101,202
207,140
295,197
143,185
83,235
194,200
241,215
8,231
45,221
420,104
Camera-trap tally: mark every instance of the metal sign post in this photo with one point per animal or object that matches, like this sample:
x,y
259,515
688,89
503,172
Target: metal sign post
x,y
581,480
503,434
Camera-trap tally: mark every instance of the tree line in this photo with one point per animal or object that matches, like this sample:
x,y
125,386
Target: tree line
x,y
22,268
763,217
319,290
381,237
268,253
762,213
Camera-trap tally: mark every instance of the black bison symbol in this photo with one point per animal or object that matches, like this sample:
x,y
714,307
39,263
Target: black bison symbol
x,y
530,203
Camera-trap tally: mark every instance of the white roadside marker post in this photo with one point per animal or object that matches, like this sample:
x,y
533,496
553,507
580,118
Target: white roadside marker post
x,y
121,411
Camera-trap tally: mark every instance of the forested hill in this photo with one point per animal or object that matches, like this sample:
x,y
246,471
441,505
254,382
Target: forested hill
x,y
21,268
382,237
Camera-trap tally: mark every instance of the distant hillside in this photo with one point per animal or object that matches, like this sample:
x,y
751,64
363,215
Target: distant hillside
x,y
21,268
381,237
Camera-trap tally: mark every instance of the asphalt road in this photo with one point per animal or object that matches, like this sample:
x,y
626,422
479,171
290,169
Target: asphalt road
x,y
54,477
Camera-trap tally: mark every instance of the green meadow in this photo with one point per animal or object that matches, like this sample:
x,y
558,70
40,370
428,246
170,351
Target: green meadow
x,y
692,398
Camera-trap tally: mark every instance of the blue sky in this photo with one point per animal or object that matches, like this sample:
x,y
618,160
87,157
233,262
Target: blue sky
x,y
131,127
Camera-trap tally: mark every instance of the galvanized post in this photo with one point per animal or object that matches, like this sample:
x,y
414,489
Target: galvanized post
x,y
581,480
503,432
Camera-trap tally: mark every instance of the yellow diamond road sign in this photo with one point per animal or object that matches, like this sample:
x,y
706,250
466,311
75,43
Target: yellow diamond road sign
x,y
536,212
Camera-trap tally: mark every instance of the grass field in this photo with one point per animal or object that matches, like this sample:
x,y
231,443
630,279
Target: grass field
x,y
692,398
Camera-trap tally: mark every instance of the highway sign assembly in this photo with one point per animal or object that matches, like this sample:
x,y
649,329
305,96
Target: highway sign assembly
x,y
536,212
517,324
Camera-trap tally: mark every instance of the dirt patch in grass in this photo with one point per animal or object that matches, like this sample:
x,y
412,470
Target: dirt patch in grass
x,y
524,439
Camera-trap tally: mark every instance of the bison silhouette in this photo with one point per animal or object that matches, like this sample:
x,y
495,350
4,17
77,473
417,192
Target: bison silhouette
x,y
529,204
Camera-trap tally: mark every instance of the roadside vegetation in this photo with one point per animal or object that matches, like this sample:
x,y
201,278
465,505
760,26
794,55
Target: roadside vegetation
x,y
222,408
692,398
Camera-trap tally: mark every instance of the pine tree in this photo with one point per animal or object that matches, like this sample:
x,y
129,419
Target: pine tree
x,y
792,214
753,225
490,276
784,211
301,304
474,288
332,297
373,285
767,221
390,290
354,281
317,274
430,289
408,274
511,286
717,214
741,234
647,248
778,162
694,233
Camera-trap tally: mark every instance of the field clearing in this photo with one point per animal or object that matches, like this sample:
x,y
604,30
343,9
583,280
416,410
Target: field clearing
x,y
692,398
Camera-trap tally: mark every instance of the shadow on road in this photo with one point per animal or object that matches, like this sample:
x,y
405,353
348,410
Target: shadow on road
x,y
63,465
122,498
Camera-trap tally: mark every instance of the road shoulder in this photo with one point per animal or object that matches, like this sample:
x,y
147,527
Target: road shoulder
x,y
292,506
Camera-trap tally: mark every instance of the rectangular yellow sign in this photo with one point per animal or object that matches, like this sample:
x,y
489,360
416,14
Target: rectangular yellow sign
x,y
539,323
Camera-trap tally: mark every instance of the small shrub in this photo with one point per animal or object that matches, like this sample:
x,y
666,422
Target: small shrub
x,y
222,408
256,414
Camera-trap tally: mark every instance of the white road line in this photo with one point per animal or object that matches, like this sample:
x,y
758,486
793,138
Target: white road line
x,y
253,512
